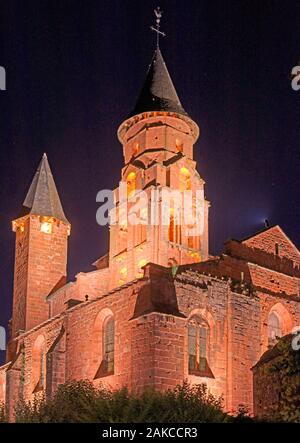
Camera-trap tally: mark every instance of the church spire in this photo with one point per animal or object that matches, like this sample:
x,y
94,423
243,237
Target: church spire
x,y
42,197
158,92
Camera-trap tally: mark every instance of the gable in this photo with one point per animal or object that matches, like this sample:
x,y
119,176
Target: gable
x,y
266,241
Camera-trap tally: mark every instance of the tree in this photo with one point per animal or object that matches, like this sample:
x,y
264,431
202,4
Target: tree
x,y
287,367
80,401
2,413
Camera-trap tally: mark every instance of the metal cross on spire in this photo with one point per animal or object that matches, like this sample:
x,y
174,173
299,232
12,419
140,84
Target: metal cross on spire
x,y
158,13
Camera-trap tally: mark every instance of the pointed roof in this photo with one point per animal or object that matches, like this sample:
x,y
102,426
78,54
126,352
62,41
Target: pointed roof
x,y
268,237
42,197
158,92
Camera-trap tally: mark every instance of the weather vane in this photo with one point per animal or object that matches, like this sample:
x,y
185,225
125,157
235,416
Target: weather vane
x,y
158,13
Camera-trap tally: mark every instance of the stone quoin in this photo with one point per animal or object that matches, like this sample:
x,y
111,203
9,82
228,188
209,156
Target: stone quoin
x,y
158,309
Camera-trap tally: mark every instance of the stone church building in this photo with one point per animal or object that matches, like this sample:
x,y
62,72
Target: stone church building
x,y
158,308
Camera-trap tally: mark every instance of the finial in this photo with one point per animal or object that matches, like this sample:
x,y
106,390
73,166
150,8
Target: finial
x,y
158,13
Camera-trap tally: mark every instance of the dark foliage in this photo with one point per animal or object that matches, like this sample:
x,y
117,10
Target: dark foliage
x,y
287,368
2,413
81,402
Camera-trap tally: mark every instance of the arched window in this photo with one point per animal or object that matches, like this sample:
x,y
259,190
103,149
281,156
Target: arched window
x,y
171,228
184,180
191,227
174,233
191,242
39,365
198,345
274,328
102,345
131,184
109,346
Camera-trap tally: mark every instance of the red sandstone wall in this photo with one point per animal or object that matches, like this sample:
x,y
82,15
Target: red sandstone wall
x,y
91,284
266,241
40,267
2,384
168,344
244,348
151,337
273,282
20,279
84,340
47,266
210,303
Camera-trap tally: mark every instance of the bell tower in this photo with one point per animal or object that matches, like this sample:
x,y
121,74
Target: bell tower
x,y
158,138
41,231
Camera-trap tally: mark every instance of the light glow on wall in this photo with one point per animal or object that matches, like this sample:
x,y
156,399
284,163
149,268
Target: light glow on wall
x,y
46,227
184,179
140,272
131,185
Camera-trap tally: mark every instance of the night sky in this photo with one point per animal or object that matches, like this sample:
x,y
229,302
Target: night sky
x,y
74,70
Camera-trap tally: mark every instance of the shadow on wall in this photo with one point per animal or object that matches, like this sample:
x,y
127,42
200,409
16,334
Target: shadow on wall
x,y
159,295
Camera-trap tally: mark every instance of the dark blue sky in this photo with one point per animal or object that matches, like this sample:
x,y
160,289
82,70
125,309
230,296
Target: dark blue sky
x,y
74,70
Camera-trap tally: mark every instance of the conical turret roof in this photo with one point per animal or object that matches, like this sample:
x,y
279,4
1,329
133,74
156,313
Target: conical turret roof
x,y
42,197
158,92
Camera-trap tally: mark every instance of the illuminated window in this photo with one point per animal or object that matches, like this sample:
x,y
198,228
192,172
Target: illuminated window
x,y
191,242
171,228
179,145
184,180
274,328
131,184
168,177
174,229
109,345
198,340
46,227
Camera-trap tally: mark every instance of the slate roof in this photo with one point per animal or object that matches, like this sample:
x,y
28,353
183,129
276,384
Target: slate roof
x,y
42,197
158,92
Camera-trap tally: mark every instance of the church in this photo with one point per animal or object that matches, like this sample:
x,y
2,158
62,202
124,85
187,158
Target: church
x,y
157,309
